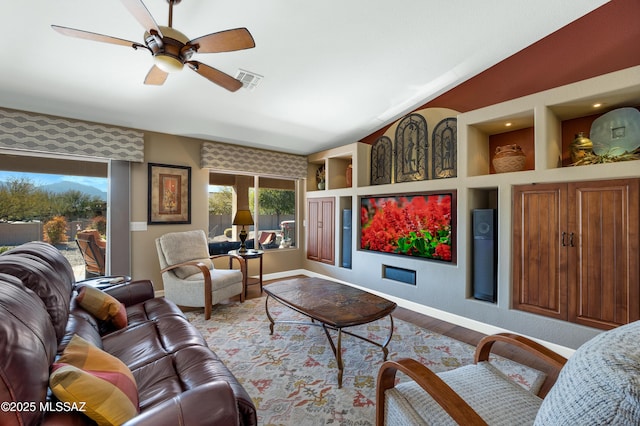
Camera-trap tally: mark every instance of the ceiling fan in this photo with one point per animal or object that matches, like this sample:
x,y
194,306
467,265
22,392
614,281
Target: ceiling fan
x,y
171,49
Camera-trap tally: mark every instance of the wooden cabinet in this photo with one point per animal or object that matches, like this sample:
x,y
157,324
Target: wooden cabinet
x,y
321,229
539,259
575,251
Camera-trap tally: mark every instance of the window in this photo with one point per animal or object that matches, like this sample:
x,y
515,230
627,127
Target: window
x,y
274,200
51,201
277,213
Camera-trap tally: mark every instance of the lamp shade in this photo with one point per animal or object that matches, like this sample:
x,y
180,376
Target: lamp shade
x,y
243,217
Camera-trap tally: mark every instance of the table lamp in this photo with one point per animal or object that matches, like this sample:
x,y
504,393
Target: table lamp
x,y
243,217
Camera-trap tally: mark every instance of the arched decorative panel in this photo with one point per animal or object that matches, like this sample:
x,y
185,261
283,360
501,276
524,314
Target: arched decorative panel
x,y
411,149
381,160
445,151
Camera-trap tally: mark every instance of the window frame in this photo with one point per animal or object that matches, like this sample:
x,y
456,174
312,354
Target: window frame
x,y
223,178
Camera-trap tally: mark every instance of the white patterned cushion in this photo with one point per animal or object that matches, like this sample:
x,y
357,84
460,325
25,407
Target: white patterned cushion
x,y
495,397
220,278
599,384
179,247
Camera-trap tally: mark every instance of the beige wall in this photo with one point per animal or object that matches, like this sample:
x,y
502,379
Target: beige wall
x,y
182,151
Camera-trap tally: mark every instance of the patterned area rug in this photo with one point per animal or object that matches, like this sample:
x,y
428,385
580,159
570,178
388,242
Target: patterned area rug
x,y
292,375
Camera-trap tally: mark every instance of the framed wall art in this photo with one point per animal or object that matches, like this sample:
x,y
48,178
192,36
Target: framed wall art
x,y
169,194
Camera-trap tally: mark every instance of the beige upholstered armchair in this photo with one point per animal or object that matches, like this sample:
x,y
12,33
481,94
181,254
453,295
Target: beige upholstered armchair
x,y
189,276
599,384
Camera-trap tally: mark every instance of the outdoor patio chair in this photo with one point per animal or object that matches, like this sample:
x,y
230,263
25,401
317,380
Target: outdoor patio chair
x,y
93,249
599,384
266,239
189,276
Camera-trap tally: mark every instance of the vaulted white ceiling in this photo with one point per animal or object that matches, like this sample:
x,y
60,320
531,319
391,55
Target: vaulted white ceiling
x,y
334,71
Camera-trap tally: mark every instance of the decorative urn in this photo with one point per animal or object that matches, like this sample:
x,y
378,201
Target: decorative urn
x,y
509,158
580,147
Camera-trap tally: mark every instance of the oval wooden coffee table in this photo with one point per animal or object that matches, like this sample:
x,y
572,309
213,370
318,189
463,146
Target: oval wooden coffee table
x,y
334,306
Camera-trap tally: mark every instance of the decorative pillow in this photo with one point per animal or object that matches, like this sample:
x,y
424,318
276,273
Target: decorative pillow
x,y
102,306
187,246
96,382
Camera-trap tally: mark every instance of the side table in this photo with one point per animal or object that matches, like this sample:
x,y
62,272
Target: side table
x,y
249,254
103,282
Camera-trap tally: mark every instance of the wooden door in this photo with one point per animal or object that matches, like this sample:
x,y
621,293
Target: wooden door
x,y
604,279
539,249
313,232
321,230
327,230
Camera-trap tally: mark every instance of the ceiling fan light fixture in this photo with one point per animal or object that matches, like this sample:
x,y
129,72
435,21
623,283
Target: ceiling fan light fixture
x,y
167,63
171,49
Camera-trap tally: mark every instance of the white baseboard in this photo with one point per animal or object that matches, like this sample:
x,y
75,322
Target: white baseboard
x,y
421,309
449,317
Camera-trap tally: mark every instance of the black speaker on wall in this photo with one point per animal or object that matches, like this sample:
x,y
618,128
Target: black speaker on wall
x,y
485,254
346,238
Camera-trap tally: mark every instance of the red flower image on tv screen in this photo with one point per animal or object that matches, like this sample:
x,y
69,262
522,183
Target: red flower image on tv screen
x,y
418,225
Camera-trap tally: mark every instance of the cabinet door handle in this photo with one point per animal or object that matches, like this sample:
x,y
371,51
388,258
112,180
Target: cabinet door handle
x,y
564,239
571,240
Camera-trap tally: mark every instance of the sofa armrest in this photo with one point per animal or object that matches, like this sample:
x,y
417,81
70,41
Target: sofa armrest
x,y
132,293
209,404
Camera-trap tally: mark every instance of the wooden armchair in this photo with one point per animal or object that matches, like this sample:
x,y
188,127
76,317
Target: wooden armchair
x,y
599,384
189,276
93,249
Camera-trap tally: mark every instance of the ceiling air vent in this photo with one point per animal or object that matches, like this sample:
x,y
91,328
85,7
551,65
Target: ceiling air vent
x,y
249,79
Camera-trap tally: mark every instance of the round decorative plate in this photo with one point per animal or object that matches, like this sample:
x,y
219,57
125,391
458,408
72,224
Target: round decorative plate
x,y
616,132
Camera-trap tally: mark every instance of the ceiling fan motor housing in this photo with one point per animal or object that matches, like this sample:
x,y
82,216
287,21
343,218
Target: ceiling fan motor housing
x,y
170,52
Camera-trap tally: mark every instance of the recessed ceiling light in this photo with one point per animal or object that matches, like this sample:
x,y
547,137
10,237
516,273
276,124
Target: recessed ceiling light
x,y
597,105
508,124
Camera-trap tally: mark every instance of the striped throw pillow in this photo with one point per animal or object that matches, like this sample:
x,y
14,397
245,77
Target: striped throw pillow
x,y
102,306
96,381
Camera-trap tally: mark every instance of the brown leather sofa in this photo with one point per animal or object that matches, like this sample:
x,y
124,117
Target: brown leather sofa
x,y
179,379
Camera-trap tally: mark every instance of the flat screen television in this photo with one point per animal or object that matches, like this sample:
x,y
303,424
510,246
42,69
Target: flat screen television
x,y
420,225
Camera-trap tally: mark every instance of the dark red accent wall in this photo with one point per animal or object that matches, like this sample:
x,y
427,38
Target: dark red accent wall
x,y
603,41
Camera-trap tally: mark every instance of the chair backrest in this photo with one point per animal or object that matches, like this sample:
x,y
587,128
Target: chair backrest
x,y
599,384
266,238
48,254
92,251
27,348
179,247
40,274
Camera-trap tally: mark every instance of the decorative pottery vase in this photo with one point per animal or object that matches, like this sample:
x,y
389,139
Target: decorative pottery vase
x,y
321,184
580,147
509,158
349,175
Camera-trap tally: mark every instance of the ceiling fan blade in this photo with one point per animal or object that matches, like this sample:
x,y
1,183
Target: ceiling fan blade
x,y
142,15
224,41
156,76
71,32
216,76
